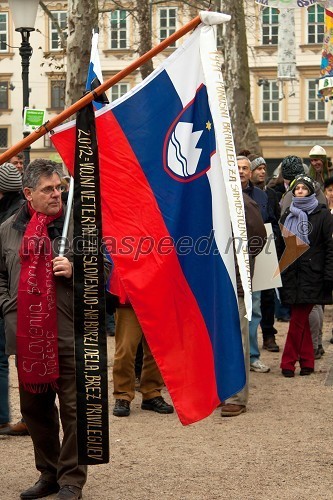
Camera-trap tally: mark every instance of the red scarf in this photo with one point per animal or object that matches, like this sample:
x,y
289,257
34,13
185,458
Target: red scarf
x,y
37,331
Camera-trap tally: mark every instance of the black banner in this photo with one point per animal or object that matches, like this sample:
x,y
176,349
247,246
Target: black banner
x,y
89,298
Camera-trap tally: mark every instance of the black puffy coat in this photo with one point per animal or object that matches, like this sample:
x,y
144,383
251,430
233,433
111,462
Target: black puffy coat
x,y
309,280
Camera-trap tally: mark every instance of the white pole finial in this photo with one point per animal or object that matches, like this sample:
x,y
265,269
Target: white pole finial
x,y
211,18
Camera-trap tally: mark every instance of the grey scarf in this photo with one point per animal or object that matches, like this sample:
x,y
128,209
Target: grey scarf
x,y
297,221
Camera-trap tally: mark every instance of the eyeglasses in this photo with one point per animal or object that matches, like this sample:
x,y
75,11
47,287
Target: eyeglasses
x,y
50,189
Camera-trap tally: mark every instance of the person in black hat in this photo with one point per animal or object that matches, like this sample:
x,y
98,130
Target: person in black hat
x,y
291,167
10,201
304,184
10,190
308,279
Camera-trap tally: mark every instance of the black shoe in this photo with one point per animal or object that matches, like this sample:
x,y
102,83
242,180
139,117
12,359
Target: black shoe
x,y
288,373
306,371
321,349
69,492
283,319
331,339
121,408
40,490
270,345
157,404
317,353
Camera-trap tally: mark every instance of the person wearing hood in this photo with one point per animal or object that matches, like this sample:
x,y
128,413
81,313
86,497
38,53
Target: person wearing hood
x,y
308,280
318,170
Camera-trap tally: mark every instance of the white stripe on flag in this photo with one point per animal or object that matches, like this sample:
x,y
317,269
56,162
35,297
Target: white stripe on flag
x,y
211,62
94,57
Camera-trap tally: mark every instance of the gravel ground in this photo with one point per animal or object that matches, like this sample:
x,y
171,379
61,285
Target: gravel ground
x,y
281,449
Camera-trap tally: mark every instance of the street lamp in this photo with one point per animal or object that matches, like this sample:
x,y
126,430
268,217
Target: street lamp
x,y
24,14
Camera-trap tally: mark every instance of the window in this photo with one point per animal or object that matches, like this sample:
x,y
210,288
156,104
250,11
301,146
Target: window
x,y
118,19
118,90
58,94
168,23
270,102
3,31
4,95
3,137
270,26
61,18
316,107
316,24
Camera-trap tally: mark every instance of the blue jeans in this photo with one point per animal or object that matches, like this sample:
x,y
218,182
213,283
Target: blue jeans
x,y
253,326
4,403
281,311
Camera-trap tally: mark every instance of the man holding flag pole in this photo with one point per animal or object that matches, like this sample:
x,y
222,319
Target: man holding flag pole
x,y
38,313
168,173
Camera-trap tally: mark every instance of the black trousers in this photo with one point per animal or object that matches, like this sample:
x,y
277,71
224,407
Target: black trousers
x,y
55,461
267,313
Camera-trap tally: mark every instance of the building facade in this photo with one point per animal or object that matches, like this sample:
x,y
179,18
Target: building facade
x,y
290,121
288,125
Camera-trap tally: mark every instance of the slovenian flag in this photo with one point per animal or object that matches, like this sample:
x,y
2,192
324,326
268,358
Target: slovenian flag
x,y
94,77
169,212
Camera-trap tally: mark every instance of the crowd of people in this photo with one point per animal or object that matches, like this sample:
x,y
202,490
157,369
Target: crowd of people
x,y
36,296
297,201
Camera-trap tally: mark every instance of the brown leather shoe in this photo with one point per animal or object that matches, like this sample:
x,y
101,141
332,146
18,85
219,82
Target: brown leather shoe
x,y
232,410
69,492
19,429
40,490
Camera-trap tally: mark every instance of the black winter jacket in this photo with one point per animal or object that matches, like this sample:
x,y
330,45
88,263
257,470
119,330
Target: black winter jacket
x,y
9,204
309,280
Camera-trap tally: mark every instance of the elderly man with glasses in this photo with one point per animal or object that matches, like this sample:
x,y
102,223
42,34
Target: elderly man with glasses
x,y
36,301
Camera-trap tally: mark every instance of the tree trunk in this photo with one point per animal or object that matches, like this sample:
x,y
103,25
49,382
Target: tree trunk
x,y
82,18
237,78
145,43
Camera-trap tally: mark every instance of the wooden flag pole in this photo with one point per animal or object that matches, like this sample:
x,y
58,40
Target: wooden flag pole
x,y
54,122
